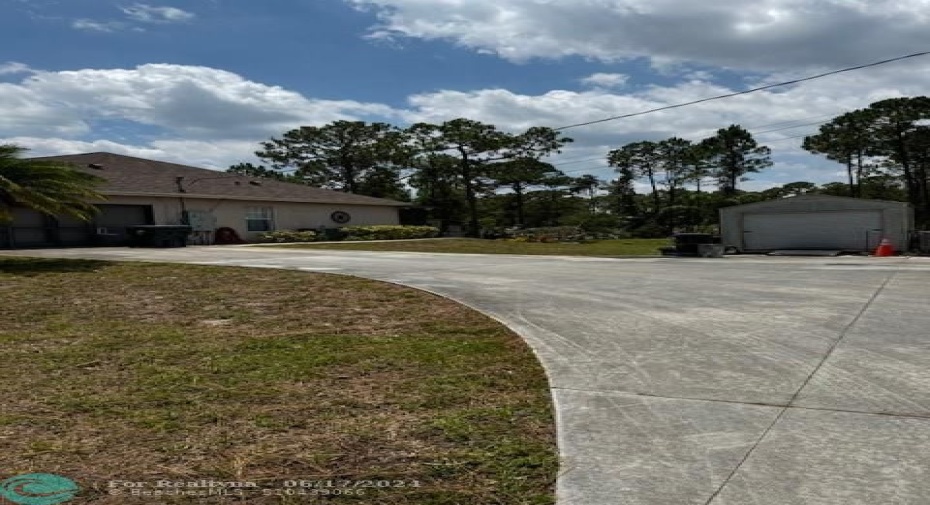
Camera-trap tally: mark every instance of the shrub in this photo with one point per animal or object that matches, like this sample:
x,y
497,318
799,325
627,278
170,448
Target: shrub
x,y
596,224
551,234
282,236
650,230
324,234
389,232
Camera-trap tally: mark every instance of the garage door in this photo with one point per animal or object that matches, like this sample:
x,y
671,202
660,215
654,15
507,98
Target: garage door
x,y
28,229
846,230
33,229
114,219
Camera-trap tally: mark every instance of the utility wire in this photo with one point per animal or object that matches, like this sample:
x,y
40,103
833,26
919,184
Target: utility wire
x,y
728,95
789,138
746,92
574,161
589,169
795,120
791,127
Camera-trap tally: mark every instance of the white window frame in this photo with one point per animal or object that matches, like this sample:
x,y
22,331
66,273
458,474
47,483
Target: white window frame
x,y
259,215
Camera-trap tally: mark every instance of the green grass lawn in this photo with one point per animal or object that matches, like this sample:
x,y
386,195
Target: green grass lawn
x,y
147,372
628,247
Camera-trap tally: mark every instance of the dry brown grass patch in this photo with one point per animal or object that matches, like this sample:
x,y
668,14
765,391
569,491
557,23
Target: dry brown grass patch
x,y
140,372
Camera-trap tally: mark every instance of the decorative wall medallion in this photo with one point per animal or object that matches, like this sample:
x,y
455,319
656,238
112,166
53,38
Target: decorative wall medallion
x,y
340,217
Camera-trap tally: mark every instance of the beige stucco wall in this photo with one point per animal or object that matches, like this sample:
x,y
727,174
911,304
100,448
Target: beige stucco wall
x,y
287,215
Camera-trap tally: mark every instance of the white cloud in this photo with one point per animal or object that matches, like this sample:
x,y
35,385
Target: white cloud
x,y
200,116
89,25
27,113
778,117
14,67
135,14
765,34
825,97
45,146
216,155
606,80
214,118
196,102
145,13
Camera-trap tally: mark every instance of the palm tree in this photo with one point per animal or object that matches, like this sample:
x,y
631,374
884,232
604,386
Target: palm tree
x,y
48,186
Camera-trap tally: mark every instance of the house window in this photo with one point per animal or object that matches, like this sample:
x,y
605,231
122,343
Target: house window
x,y
259,219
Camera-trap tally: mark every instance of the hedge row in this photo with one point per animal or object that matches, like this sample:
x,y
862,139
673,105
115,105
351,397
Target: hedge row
x,y
354,233
282,236
550,234
388,232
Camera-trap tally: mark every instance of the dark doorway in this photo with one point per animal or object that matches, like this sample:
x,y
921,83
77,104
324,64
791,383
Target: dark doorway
x,y
32,229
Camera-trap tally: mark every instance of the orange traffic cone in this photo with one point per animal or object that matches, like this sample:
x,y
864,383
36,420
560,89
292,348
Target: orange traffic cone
x,y
884,249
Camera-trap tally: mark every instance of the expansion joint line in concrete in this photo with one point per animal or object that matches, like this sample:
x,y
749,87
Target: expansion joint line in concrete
x,y
807,380
736,402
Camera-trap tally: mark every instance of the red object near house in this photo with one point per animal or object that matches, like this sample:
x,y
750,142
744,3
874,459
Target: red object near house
x,y
884,249
227,235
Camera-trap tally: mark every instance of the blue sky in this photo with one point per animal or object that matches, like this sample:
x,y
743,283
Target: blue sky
x,y
203,81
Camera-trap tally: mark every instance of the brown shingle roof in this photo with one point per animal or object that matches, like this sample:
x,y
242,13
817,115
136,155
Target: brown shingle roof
x,y
137,176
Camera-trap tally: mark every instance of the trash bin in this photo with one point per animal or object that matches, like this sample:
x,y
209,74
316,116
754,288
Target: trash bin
x,y
923,242
710,250
686,244
158,235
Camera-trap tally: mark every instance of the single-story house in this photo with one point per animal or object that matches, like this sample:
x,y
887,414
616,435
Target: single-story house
x,y
810,222
140,191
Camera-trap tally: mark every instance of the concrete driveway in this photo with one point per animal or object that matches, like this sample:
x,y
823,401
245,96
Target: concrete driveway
x,y
735,381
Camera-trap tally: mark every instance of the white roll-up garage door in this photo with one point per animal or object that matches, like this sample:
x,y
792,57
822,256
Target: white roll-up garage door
x,y
846,230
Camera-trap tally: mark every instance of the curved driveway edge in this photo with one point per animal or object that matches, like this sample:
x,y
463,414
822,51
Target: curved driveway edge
x,y
736,381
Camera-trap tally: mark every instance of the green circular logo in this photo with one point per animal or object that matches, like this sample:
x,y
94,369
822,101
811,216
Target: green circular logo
x,y
38,489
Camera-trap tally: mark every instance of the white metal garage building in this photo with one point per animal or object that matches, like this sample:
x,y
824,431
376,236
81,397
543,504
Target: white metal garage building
x,y
816,222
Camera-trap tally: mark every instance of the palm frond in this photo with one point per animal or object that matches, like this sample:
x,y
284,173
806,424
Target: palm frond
x,y
48,186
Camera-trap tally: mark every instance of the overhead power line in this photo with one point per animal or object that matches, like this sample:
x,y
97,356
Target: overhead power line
x,y
575,161
798,120
746,92
803,125
789,138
